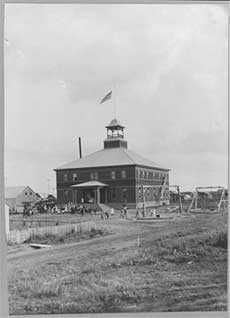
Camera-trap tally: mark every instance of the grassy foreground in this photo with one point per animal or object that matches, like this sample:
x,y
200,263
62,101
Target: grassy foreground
x,y
180,266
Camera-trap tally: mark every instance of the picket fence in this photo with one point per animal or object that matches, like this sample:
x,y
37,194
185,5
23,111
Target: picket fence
x,y
20,236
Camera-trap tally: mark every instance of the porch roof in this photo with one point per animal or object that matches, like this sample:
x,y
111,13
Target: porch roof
x,y
89,184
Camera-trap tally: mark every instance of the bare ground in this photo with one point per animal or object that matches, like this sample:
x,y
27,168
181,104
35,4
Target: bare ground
x,y
179,265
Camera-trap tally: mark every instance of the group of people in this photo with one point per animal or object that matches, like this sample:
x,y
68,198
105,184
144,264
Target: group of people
x,y
141,213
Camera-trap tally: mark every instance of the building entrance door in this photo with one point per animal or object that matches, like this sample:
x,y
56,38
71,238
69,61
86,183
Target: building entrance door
x,y
88,195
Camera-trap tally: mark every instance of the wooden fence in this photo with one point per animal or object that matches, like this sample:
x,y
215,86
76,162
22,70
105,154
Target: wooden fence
x,y
20,236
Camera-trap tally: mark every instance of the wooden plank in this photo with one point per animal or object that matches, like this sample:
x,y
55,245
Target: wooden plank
x,y
39,245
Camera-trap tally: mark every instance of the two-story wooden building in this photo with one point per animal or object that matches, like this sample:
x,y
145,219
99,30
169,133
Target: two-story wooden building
x,y
113,175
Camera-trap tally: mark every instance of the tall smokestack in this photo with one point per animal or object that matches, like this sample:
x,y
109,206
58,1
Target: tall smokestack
x,y
80,153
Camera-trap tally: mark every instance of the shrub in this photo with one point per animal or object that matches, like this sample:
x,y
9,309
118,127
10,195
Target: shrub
x,y
219,240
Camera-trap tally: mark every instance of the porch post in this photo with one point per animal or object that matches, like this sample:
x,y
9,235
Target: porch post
x,y
98,195
95,195
106,194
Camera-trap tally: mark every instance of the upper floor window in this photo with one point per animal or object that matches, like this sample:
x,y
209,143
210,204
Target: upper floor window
x,y
75,177
123,174
30,193
65,177
113,174
94,175
141,174
145,175
25,193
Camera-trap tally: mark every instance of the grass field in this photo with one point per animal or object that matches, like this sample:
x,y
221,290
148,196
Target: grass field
x,y
176,265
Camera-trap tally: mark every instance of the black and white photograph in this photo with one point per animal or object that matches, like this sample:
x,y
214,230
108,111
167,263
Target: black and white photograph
x,y
116,157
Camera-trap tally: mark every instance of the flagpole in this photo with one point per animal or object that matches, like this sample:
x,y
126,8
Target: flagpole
x,y
114,102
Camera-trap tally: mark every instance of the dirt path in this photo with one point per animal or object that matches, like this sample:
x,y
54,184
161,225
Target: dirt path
x,y
123,231
121,238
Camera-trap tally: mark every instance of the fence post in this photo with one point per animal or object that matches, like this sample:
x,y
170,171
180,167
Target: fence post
x,y
179,198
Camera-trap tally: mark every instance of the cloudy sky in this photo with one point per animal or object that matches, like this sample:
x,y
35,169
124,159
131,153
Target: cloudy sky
x,y
167,62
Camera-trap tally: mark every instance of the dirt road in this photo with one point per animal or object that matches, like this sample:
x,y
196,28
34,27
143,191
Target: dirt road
x,y
113,273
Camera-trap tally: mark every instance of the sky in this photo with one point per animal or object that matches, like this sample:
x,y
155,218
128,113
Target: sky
x,y
166,64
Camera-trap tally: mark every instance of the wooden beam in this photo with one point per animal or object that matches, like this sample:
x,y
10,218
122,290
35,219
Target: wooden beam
x,y
219,187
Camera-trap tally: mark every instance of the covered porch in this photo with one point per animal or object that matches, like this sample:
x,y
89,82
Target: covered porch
x,y
90,192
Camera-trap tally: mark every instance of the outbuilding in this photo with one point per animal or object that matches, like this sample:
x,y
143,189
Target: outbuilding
x,y
17,197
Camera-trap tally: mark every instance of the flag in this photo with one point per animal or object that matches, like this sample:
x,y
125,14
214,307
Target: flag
x,y
107,97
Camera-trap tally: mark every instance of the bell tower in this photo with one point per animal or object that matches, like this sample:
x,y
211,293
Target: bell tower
x,y
115,135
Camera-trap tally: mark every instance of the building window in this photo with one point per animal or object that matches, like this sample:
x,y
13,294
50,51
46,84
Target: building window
x,y
145,177
65,177
157,175
113,193
25,193
147,191
123,174
75,177
30,193
94,176
124,194
113,175
66,195
141,174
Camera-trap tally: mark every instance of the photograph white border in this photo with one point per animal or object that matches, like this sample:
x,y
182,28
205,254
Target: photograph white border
x,y
4,310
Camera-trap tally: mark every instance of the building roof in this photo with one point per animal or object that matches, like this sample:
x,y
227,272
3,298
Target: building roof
x,y
11,202
110,157
93,183
13,192
114,123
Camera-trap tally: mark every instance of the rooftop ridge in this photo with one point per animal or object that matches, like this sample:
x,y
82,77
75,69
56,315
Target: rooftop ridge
x,y
123,149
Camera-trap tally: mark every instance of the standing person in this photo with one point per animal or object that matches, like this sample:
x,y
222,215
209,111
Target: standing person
x,y
143,212
137,213
81,210
125,210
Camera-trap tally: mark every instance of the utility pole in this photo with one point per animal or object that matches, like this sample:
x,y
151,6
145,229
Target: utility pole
x,y
80,147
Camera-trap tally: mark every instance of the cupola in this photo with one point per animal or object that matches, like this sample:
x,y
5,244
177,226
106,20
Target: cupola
x,y
115,135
